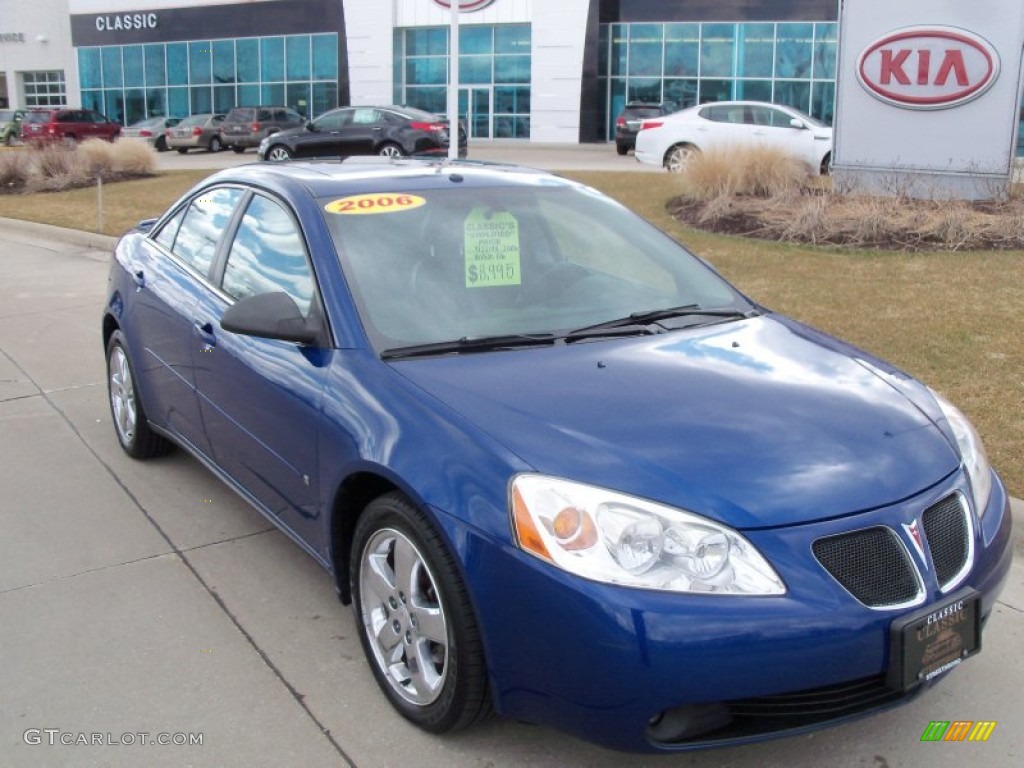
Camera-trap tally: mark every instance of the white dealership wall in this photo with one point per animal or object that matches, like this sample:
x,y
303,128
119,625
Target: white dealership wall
x,y
42,41
558,31
965,149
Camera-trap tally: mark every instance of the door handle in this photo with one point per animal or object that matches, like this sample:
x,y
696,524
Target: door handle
x,y
139,277
205,333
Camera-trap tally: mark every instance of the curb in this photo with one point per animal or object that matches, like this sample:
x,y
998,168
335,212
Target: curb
x,y
64,235
106,242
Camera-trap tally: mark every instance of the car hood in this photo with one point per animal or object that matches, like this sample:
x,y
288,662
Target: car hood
x,y
755,423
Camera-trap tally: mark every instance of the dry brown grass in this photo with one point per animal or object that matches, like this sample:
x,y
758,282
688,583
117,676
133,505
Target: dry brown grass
x,y
135,158
758,172
56,167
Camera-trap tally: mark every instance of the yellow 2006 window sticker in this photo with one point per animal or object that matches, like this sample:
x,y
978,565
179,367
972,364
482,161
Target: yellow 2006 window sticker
x,y
376,202
492,249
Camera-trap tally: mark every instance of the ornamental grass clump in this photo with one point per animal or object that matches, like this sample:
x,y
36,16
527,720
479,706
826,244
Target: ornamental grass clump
x,y
742,171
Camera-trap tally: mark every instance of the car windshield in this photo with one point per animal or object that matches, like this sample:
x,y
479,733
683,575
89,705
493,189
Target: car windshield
x,y
469,263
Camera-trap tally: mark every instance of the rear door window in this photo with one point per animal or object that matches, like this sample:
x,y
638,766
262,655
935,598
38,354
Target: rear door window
x,y
205,221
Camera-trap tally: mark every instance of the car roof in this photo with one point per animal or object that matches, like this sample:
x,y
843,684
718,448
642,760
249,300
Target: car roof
x,y
324,178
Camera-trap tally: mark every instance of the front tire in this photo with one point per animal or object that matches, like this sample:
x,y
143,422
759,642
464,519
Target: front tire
x,y
621,148
415,620
278,154
237,150
130,423
161,144
215,145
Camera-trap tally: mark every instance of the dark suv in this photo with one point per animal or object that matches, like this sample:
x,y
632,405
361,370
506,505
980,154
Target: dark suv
x,y
627,125
67,125
248,126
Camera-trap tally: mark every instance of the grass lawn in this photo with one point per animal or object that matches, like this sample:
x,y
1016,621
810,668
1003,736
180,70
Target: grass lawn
x,y
954,320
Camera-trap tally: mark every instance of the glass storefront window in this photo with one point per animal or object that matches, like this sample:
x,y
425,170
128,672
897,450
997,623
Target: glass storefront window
x,y
200,61
177,64
134,68
297,57
825,51
177,101
795,93
717,43
272,93
113,105
429,99
644,89
682,49
325,97
754,90
200,100
247,60
756,50
512,38
92,100
113,74
475,69
476,40
715,90
823,101
134,105
156,66
512,69
681,92
325,58
272,60
298,98
619,50
426,71
156,101
89,68
793,50
645,49
426,42
224,98
248,95
224,61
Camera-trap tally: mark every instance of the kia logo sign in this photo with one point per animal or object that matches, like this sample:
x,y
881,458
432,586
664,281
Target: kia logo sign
x,y
928,67
464,5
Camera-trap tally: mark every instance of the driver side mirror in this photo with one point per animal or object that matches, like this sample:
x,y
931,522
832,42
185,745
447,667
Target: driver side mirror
x,y
796,122
270,316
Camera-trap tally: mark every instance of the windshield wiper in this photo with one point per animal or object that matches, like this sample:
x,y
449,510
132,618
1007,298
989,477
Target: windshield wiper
x,y
468,344
652,316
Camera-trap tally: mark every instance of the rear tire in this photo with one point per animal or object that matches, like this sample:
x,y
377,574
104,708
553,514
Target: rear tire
x,y
215,144
130,423
278,153
622,149
415,620
182,150
161,144
679,157
826,165
238,150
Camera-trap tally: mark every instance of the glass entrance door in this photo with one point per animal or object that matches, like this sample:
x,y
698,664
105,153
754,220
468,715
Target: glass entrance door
x,y
475,111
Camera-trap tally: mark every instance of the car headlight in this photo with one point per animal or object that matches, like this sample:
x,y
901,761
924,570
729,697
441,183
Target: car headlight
x,y
611,537
972,452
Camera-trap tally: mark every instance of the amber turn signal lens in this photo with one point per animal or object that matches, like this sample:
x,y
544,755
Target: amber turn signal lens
x,y
526,529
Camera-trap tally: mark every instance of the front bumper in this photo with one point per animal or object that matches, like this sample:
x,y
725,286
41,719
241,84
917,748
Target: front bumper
x,y
613,665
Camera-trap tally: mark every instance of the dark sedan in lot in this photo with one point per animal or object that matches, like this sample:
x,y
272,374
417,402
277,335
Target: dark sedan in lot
x,y
562,470
388,131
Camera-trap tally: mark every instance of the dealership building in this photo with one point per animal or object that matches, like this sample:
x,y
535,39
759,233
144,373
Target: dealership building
x,y
531,70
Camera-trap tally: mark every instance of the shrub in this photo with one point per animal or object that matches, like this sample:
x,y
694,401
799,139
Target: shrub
x,y
14,170
98,157
758,172
135,158
54,167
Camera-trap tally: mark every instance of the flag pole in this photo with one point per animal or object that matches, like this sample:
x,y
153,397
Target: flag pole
x,y
453,81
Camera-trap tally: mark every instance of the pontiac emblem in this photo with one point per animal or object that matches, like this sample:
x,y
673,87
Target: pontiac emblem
x,y
914,534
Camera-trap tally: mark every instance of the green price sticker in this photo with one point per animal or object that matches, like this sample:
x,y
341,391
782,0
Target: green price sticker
x,y
492,249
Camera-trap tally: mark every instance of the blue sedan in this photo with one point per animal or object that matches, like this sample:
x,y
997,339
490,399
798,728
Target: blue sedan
x,y
561,469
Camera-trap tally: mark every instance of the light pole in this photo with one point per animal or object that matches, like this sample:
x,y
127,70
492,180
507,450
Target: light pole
x,y
453,82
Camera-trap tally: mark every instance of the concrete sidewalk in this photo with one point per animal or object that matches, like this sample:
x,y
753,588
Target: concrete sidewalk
x,y
146,598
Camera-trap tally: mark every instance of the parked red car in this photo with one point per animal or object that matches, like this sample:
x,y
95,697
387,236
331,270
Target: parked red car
x,y
67,125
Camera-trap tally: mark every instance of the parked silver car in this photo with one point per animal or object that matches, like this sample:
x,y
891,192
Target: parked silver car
x,y
152,131
196,132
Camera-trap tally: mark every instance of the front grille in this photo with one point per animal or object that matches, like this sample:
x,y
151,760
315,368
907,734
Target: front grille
x,y
871,564
750,719
824,703
948,534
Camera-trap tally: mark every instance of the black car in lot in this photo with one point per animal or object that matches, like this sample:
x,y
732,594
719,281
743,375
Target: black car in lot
x,y
390,131
627,124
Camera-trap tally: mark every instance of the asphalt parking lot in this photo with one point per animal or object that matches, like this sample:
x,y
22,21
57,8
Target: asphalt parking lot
x,y
140,601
